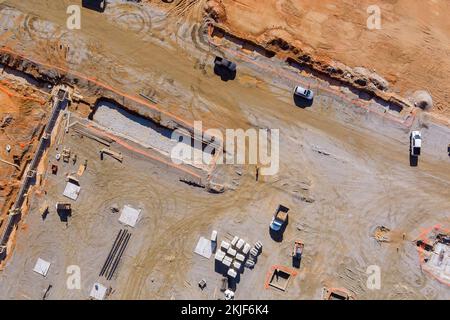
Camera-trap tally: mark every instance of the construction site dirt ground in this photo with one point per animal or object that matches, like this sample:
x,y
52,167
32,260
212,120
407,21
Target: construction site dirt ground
x,y
410,49
344,170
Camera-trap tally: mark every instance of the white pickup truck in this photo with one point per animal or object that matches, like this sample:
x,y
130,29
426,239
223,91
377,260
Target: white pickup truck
x,y
416,143
303,93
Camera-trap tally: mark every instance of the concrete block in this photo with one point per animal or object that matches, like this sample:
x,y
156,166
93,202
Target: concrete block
x,y
250,263
214,236
246,249
232,273
225,245
234,241
231,252
227,261
220,255
240,257
240,244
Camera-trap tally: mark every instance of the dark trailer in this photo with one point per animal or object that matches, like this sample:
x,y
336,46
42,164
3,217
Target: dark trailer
x,y
97,5
224,68
224,63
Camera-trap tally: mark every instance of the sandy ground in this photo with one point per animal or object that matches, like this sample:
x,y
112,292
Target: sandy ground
x,y
351,164
411,50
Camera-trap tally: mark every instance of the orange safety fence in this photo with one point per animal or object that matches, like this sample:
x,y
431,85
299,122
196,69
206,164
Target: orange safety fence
x,y
12,94
288,270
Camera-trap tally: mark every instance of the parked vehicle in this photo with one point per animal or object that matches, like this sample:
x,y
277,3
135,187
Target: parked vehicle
x,y
224,63
303,93
279,218
297,253
416,143
97,5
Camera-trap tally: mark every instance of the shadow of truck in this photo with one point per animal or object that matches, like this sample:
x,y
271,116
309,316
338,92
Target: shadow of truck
x,y
97,5
302,102
224,68
413,160
224,73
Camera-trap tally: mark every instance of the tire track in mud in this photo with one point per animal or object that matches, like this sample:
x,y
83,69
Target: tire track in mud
x,y
197,36
193,25
58,43
131,17
108,186
352,276
38,29
183,7
87,54
173,241
350,272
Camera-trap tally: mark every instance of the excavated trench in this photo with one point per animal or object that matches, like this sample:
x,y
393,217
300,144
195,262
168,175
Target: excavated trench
x,y
132,126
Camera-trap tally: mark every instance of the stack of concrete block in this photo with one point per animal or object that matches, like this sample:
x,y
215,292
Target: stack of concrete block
x,y
227,261
246,249
240,257
256,250
232,273
234,241
220,255
240,244
213,241
234,255
250,263
225,245
214,236
231,252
